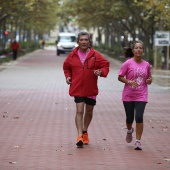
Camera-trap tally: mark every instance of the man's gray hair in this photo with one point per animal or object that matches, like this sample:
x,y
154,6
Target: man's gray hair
x,y
83,33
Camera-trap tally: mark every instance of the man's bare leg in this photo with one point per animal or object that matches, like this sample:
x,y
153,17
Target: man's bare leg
x,y
88,116
79,117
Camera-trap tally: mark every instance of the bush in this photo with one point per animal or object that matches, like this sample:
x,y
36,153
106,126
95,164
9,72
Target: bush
x,y
5,55
25,47
115,51
149,56
29,46
50,43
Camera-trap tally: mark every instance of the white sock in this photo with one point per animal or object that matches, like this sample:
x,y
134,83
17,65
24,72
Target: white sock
x,y
129,131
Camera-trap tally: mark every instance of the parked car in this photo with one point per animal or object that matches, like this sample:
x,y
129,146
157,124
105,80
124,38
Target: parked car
x,y
66,42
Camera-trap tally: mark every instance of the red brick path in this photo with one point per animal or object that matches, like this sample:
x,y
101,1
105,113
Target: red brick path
x,y
37,121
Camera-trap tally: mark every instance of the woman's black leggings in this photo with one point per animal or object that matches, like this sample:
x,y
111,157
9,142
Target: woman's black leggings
x,y
134,108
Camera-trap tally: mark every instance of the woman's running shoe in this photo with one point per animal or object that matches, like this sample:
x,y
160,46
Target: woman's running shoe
x,y
129,136
138,145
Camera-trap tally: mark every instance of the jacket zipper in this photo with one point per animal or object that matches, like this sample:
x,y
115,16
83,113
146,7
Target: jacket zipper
x,y
83,78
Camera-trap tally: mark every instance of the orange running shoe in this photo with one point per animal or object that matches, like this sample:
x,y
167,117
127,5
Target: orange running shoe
x,y
85,139
79,142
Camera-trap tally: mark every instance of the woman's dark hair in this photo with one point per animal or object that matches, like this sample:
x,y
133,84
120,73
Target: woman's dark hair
x,y
127,51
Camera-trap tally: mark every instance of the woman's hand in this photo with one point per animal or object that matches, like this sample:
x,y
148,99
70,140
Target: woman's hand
x,y
149,80
133,83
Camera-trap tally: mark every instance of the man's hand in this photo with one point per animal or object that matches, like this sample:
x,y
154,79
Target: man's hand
x,y
68,80
97,72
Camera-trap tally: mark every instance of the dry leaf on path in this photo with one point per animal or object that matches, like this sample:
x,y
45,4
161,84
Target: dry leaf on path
x,y
12,162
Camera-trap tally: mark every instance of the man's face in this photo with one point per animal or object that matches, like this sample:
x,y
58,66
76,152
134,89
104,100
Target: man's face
x,y
83,42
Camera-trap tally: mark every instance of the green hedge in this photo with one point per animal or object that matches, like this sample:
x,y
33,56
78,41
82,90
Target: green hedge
x,y
114,52
117,52
25,47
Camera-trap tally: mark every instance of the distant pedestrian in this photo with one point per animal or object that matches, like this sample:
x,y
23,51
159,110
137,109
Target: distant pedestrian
x,y
15,47
82,68
136,74
43,44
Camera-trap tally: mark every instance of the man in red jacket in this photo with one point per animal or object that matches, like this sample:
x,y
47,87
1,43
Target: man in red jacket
x,y
82,68
14,47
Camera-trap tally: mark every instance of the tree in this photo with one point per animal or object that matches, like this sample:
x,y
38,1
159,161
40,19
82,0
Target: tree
x,y
38,16
133,19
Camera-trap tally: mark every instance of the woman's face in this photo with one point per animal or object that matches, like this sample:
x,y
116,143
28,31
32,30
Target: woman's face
x,y
138,50
84,42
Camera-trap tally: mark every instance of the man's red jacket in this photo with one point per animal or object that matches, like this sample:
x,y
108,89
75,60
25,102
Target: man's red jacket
x,y
15,46
83,79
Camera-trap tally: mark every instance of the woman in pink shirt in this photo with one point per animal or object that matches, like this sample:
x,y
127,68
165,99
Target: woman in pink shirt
x,y
136,74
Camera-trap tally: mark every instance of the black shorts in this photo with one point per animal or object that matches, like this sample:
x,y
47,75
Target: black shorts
x,y
134,109
86,100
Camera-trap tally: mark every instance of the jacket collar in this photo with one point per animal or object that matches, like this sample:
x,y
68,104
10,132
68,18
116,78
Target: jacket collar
x,y
75,52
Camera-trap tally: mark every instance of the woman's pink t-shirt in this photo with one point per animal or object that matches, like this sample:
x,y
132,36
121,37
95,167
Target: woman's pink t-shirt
x,y
82,57
138,72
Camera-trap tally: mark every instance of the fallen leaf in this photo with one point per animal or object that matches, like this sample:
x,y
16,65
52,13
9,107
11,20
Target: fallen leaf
x,y
120,123
17,117
160,150
12,162
67,108
164,130
159,163
16,146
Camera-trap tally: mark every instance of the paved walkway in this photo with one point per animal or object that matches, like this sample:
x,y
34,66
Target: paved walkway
x,y
37,121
